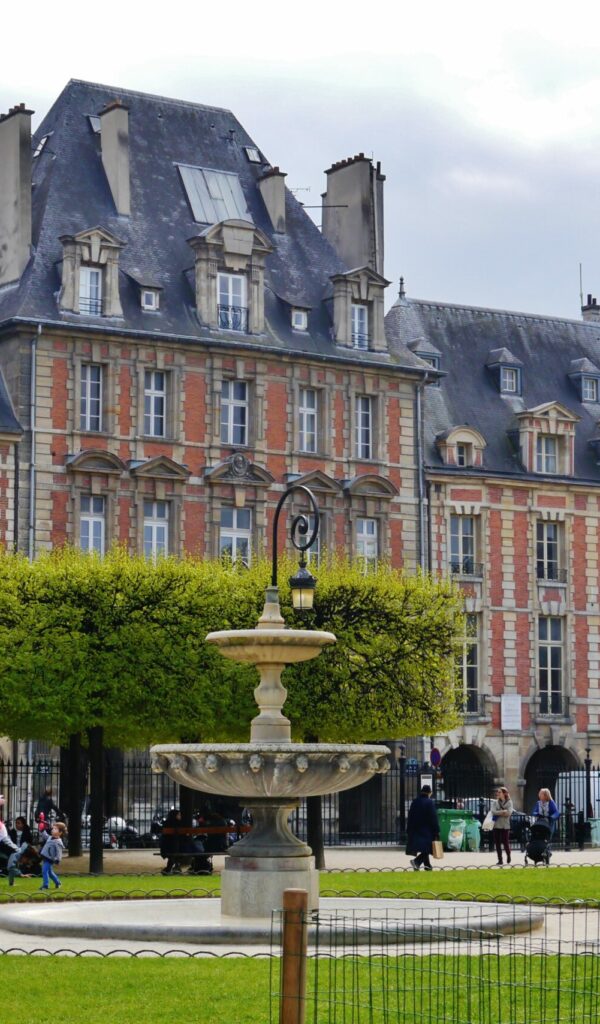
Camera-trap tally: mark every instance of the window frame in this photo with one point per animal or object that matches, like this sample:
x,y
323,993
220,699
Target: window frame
x,y
469,661
364,432
305,413
92,517
236,533
548,551
86,398
153,522
95,303
512,373
463,545
586,381
543,456
550,696
154,295
365,539
229,406
153,395
360,333
232,316
302,315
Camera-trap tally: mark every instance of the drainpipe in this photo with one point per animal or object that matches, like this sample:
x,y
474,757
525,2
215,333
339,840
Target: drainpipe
x,y
17,468
32,426
422,555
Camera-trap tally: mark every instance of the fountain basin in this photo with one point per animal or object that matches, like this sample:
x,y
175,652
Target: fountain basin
x,y
273,770
270,646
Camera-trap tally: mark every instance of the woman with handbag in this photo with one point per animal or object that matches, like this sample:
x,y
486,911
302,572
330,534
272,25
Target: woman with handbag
x,y
423,828
501,809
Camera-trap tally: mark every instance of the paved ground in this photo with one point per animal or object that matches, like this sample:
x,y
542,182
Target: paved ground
x,y
336,859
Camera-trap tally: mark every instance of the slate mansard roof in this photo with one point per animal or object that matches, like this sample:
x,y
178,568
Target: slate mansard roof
x,y
545,349
71,194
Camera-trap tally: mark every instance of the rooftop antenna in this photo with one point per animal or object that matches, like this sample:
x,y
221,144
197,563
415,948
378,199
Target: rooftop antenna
x,y
580,285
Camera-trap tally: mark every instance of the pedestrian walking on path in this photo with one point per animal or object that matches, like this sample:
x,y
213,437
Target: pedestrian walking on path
x,y
422,827
501,809
51,854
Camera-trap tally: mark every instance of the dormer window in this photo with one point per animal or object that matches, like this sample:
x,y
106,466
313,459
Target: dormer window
x,y
510,380
360,325
150,299
589,389
233,302
546,454
463,455
90,291
461,446
299,320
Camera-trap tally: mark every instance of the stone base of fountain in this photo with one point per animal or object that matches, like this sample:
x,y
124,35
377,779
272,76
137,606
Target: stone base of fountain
x,y
249,886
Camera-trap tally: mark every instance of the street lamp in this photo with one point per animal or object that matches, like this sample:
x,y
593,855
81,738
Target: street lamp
x,y
302,583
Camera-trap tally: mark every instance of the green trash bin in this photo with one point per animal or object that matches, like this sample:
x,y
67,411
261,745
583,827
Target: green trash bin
x,y
448,814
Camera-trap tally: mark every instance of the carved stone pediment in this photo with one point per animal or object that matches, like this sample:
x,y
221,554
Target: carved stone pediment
x,y
371,485
238,470
159,467
318,481
95,460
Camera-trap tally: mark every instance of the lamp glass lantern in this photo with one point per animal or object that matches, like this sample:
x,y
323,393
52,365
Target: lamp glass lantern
x,y
302,586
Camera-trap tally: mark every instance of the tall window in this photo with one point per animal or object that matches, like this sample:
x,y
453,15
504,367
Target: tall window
x,y
308,420
363,411
509,380
546,454
92,523
156,529
90,410
464,454
550,665
233,305
366,542
234,412
468,665
155,403
235,540
462,546
360,325
90,291
547,551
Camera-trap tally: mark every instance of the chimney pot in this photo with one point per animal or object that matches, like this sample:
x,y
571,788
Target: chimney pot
x,y
114,142
15,192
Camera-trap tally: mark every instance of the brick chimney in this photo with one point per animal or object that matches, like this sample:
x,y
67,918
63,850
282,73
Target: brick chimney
x,y
272,189
114,140
353,212
15,192
591,310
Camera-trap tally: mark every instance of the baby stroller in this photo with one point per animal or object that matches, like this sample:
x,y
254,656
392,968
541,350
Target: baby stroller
x,y
537,848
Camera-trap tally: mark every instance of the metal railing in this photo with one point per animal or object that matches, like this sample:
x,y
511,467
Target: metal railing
x,y
360,340
90,306
551,574
233,318
466,567
553,705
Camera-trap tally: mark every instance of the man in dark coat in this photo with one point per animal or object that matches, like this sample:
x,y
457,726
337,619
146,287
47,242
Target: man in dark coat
x,y
422,827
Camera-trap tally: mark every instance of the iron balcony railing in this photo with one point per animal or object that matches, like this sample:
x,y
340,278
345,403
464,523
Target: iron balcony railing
x,y
474,705
466,567
553,705
90,306
360,340
551,574
233,318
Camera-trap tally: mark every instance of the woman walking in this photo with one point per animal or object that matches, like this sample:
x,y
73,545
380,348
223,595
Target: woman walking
x,y
546,810
502,808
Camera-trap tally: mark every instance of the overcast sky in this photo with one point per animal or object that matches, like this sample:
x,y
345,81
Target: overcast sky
x,y
487,124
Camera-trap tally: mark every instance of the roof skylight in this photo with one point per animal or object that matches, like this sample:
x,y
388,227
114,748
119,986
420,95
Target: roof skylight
x,y
94,120
252,154
213,195
40,146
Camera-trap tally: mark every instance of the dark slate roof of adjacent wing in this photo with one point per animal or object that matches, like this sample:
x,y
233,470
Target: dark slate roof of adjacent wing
x,y
469,393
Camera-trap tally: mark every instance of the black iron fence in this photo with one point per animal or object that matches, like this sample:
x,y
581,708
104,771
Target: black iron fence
x,y
372,814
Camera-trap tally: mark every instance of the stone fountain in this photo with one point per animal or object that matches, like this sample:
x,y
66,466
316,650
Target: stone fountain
x,y
270,774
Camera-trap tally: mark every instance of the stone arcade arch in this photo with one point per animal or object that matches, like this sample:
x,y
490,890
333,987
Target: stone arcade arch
x,y
543,769
468,771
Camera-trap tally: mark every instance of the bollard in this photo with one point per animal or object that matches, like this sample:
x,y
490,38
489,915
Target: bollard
x,y
293,967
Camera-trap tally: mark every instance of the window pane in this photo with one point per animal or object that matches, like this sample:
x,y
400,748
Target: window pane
x,y
226,516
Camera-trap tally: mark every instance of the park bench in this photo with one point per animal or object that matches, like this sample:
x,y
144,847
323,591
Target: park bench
x,y
202,831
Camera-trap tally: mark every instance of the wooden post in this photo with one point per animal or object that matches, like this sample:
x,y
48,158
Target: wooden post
x,y
293,969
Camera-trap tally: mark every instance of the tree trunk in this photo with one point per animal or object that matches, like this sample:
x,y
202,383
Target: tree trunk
x,y
314,829
73,764
187,799
96,743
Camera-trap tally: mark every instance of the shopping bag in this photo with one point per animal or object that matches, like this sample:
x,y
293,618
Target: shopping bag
x,y
437,849
488,822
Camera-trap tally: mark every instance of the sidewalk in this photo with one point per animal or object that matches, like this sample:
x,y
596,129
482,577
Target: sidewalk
x,y
337,858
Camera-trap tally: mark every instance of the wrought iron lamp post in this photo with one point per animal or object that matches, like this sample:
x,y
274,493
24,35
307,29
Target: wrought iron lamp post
x,y
302,583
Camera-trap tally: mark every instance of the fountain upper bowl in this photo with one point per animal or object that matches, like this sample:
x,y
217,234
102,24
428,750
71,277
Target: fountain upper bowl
x,y
270,646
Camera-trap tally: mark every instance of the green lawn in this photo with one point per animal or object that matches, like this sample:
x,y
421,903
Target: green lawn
x,y
564,883
376,990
